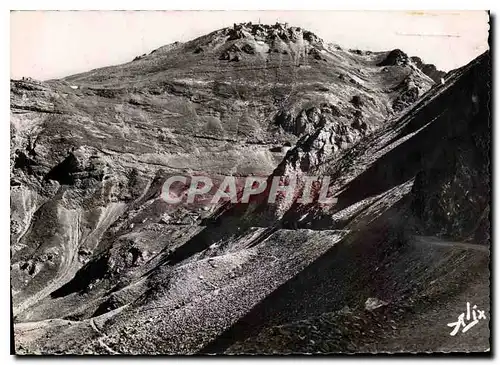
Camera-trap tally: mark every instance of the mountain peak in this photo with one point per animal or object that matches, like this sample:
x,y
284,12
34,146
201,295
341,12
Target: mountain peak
x,y
266,32
232,43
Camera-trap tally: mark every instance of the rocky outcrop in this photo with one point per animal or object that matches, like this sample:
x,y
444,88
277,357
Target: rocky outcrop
x,y
307,121
410,91
429,69
395,57
266,32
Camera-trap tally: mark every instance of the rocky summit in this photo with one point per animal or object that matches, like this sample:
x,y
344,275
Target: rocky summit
x,y
102,264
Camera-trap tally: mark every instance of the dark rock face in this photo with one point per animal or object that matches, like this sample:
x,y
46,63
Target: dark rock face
x,y
102,264
307,121
452,195
428,69
407,98
395,58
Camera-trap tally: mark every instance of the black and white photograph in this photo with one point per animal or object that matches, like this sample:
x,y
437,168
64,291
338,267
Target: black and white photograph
x,y
251,182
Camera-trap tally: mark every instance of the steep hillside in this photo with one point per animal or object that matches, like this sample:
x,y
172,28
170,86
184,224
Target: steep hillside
x,y
100,263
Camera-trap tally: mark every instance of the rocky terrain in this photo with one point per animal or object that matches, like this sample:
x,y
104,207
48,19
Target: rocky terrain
x,y
101,264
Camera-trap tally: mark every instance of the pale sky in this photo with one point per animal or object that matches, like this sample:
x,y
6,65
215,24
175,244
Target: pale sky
x,y
54,44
